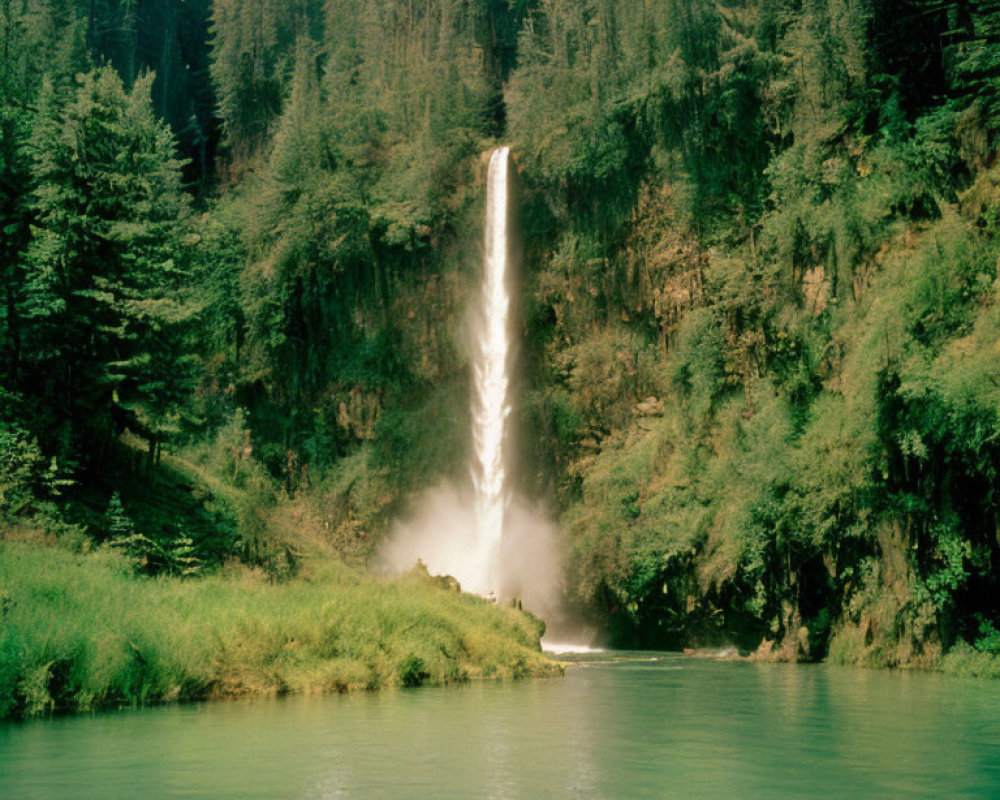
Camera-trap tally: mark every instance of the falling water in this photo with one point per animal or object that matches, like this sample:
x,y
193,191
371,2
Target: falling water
x,y
490,405
492,539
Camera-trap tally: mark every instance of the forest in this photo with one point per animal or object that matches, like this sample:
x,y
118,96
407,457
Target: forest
x,y
760,336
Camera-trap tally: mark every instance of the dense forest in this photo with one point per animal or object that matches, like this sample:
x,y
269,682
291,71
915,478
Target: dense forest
x,y
760,350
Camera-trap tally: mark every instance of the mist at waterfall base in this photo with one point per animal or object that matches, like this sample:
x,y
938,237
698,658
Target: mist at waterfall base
x,y
492,541
440,531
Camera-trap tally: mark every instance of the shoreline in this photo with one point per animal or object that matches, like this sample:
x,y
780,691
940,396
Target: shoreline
x,y
82,633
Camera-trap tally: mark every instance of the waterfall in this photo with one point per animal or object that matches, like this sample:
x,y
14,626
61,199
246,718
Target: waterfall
x,y
492,540
490,407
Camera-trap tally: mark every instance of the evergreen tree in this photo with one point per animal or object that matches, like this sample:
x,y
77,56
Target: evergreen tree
x,y
252,58
14,183
102,269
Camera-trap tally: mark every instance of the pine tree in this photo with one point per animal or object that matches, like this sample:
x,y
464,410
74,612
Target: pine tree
x,y
252,58
103,267
14,183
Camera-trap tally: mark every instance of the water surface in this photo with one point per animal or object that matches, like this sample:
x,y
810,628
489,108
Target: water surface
x,y
617,726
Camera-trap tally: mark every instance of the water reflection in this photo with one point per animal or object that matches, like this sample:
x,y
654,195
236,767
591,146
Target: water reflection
x,y
638,726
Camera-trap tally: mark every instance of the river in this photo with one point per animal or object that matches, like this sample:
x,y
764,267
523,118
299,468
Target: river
x,y
626,725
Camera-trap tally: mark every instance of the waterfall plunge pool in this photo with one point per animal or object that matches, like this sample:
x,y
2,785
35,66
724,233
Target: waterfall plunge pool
x,y
619,725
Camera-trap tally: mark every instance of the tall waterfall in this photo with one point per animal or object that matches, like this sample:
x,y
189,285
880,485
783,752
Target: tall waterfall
x,y
490,364
491,539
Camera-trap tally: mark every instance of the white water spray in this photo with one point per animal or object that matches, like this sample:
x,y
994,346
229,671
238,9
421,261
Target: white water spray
x,y
490,406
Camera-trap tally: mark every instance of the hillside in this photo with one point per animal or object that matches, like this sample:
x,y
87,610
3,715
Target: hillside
x,y
759,354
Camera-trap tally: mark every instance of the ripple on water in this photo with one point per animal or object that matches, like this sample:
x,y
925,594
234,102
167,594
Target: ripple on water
x,y
619,725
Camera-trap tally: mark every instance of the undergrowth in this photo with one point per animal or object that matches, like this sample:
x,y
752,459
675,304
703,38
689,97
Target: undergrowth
x,y
81,631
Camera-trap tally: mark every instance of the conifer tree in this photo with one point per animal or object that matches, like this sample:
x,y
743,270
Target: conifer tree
x,y
252,58
14,182
103,265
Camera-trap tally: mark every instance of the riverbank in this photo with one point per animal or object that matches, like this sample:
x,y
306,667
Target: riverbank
x,y
81,632
962,661
629,725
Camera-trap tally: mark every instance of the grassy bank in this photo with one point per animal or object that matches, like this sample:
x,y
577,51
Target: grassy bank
x,y
79,631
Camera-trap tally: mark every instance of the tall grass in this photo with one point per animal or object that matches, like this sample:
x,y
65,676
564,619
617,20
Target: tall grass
x,y
80,631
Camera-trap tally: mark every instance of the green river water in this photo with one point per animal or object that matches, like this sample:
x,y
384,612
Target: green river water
x,y
635,725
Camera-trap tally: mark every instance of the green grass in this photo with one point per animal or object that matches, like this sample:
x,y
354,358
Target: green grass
x,y
79,631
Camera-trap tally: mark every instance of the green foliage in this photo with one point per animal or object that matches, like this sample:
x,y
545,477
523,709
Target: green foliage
x,y
817,248
951,553
601,84
699,362
989,638
139,550
360,152
79,632
761,267
181,557
412,673
178,556
28,481
108,203
970,36
965,662
20,464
